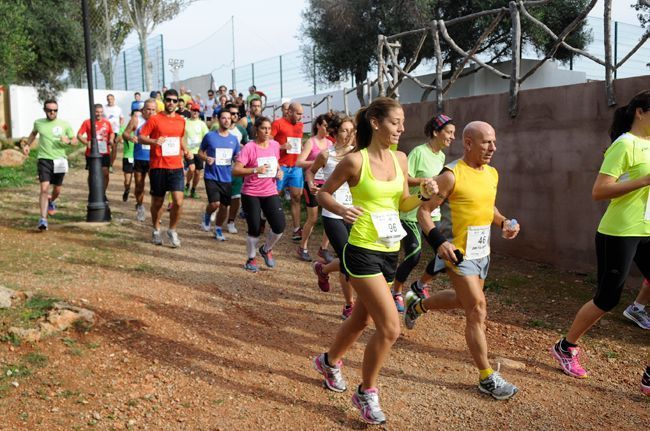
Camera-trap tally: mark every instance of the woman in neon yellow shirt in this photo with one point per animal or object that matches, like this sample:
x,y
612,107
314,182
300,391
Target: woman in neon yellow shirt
x,y
377,178
623,235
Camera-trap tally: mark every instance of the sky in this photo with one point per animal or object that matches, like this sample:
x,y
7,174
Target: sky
x,y
201,34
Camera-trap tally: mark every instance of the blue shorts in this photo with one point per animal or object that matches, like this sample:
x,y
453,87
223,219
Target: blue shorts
x,y
466,268
292,178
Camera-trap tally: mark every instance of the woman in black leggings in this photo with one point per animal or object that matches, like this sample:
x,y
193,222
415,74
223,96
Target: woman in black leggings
x,y
623,235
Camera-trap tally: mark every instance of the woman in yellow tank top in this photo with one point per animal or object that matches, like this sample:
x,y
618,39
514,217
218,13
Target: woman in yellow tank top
x,y
377,179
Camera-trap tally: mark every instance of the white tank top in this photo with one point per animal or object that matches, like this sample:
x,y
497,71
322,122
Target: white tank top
x,y
342,195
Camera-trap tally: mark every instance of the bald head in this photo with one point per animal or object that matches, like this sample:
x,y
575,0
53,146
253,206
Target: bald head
x,y
476,128
294,112
479,143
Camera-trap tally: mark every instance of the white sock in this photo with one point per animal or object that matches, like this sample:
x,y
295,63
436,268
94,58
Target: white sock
x,y
251,246
639,306
271,239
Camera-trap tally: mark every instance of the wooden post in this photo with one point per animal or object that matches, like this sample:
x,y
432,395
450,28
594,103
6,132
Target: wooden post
x,y
516,57
439,60
380,65
346,108
609,66
395,58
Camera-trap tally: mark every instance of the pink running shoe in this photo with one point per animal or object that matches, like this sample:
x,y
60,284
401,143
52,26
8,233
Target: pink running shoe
x,y
323,279
347,311
334,380
645,382
569,361
368,404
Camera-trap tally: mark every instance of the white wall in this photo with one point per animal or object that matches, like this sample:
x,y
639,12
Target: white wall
x,y
73,106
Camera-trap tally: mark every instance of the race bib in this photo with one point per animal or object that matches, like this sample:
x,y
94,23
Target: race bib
x,y
102,146
60,165
193,142
171,147
295,145
146,147
435,213
271,166
130,159
343,195
223,156
388,227
478,242
319,176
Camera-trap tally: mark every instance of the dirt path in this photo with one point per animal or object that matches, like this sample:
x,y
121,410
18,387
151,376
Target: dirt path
x,y
186,340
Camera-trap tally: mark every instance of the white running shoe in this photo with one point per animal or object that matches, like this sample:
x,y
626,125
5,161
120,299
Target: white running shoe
x,y
231,227
173,238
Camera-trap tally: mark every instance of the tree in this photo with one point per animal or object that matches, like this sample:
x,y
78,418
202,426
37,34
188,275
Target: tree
x,y
144,16
343,35
643,9
16,49
109,28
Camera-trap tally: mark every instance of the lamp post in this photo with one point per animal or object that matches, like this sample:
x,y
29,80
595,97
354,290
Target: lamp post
x,y
98,209
175,65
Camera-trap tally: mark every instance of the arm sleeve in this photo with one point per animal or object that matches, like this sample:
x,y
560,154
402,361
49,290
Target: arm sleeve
x,y
69,131
83,130
413,161
244,156
617,158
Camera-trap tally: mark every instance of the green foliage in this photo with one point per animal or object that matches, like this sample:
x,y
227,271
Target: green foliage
x,y
643,14
15,45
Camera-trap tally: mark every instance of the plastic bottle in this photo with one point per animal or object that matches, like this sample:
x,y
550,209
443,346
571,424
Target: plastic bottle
x,y
509,225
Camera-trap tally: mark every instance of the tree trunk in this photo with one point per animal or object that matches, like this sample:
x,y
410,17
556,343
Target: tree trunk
x,y
360,80
146,62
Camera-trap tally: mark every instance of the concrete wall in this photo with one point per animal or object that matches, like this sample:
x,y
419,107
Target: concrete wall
x,y
73,106
548,158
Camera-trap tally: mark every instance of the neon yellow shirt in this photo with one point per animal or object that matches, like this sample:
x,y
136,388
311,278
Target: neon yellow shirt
x,y
195,130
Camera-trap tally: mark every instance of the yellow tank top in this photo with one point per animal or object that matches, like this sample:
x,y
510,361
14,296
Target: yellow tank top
x,y
469,211
377,197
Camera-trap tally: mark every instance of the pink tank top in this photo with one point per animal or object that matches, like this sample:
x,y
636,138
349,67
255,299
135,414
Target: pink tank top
x,y
315,150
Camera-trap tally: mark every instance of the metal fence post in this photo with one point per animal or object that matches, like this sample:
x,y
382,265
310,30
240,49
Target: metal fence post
x,y
252,73
312,112
313,58
96,74
126,82
281,88
162,63
142,66
329,103
615,47
346,108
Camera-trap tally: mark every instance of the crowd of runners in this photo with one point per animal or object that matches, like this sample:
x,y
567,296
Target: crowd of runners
x,y
374,202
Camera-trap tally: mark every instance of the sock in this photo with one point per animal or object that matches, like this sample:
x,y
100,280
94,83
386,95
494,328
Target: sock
x,y
206,218
251,246
484,374
327,360
564,345
419,307
231,220
639,306
296,229
271,239
395,293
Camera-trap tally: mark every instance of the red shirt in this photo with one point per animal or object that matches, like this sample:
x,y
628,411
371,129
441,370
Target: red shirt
x,y
103,130
165,156
281,129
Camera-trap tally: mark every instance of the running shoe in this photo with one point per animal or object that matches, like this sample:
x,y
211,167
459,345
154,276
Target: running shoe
x,y
638,316
368,404
231,227
399,301
323,279
334,380
205,222
169,206
173,238
125,195
645,382
347,311
268,257
186,192
497,386
569,361
410,315
194,195
139,212
42,224
156,238
287,195
326,255
51,208
421,292
218,234
251,266
297,235
303,255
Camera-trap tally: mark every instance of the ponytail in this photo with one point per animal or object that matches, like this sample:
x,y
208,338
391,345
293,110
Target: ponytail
x,y
364,130
378,109
624,116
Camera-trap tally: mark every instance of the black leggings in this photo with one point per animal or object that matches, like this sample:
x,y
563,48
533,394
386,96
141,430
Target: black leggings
x,y
615,255
337,232
272,208
412,245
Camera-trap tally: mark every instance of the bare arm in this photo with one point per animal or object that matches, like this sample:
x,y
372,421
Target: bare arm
x,y
302,162
607,187
346,171
409,202
30,141
130,128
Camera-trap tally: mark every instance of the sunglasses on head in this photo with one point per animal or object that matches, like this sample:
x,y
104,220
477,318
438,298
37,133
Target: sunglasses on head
x,y
170,100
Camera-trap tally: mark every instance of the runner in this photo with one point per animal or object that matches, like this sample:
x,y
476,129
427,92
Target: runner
x,y
164,132
288,133
209,107
183,110
54,134
195,130
218,150
137,103
623,235
425,161
249,121
140,154
335,228
637,312
313,147
258,164
377,180
127,158
105,142
116,118
468,188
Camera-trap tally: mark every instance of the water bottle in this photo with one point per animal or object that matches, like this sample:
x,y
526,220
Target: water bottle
x,y
509,225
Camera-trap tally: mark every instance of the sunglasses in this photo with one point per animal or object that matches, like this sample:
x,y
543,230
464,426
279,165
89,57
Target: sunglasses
x,y
170,100
234,113
51,110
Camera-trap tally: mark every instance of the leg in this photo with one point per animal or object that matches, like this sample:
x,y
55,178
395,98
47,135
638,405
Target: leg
x,y
156,210
312,216
189,175
295,193
106,178
43,198
196,179
233,210
272,208
56,192
177,207
139,187
412,246
643,297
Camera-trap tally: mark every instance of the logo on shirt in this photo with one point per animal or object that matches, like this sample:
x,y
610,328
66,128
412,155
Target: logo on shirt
x,y
57,131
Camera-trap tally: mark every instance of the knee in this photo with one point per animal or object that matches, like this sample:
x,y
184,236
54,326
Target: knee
x,y
477,313
392,332
607,302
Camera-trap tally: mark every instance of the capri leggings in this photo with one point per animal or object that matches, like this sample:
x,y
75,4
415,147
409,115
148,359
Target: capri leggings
x,y
337,232
271,206
412,245
615,255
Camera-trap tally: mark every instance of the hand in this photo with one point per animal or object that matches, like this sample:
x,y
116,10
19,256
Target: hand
x,y
160,141
285,147
446,251
313,189
351,214
209,160
65,139
279,175
26,150
188,155
262,169
510,233
428,188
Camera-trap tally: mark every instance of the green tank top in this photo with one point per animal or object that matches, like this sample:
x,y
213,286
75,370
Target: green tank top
x,y
128,145
375,197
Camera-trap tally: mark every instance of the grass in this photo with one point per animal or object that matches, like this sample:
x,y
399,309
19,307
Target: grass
x,y
23,175
24,316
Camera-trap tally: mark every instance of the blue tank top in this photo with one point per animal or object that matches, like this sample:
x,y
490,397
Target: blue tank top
x,y
140,152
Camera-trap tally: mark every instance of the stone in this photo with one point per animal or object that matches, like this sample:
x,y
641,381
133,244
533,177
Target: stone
x,y
30,335
11,158
9,297
510,363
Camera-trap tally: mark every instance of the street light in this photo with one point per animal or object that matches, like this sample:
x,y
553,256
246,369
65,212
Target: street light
x,y
175,65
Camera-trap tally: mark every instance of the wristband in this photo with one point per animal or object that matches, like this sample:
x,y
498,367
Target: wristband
x,y
254,170
435,238
422,198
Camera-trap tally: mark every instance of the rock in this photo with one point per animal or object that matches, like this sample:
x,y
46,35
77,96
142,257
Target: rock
x,y
509,363
62,319
30,335
9,297
11,158
97,416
